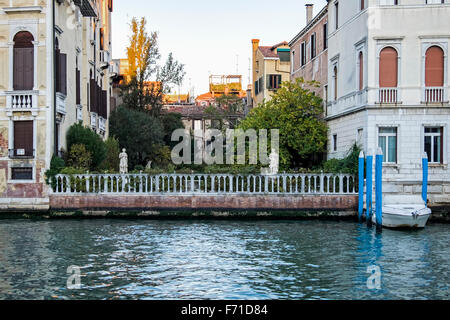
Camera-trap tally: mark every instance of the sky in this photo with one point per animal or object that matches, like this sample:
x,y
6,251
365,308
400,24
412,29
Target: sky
x,y
210,36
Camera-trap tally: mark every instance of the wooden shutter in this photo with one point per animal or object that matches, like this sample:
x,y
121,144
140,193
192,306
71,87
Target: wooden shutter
x,y
104,104
78,86
23,137
58,71
388,68
23,61
93,94
434,67
63,73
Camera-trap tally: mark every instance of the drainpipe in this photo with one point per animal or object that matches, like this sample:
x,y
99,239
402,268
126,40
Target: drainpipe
x,y
55,140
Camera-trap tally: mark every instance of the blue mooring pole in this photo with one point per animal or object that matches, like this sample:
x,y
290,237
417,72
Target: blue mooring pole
x,y
369,186
379,187
425,177
361,185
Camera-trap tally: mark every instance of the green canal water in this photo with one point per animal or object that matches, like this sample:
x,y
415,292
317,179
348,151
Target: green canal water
x,y
131,259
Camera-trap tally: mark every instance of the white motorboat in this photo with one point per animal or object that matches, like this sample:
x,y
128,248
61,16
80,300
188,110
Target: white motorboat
x,y
404,211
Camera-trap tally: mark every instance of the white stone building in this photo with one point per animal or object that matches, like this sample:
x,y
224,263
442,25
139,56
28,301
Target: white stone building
x,y
388,87
54,71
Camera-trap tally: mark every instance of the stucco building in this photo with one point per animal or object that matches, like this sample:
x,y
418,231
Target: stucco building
x,y
54,72
271,67
309,51
388,87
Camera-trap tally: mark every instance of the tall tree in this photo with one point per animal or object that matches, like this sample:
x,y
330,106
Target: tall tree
x,y
298,113
143,57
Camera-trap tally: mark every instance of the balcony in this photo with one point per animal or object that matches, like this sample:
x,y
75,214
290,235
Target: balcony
x,y
86,8
105,59
388,96
93,120
60,103
21,100
434,95
102,124
79,113
21,154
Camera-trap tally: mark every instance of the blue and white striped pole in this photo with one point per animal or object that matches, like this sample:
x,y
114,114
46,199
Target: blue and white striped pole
x,y
361,185
425,177
379,187
369,186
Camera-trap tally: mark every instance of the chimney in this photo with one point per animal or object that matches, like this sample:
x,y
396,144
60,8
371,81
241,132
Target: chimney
x,y
309,13
255,45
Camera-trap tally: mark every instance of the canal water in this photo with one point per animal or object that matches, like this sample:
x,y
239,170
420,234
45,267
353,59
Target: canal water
x,y
128,259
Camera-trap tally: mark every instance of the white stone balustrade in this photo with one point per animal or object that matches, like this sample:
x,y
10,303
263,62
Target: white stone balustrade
x,y
388,95
21,100
205,184
434,94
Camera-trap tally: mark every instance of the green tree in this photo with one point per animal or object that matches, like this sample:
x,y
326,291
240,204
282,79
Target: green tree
x,y
79,157
170,123
297,113
77,134
138,132
111,162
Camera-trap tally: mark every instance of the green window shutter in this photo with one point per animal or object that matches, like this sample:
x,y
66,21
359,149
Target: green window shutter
x,y
268,84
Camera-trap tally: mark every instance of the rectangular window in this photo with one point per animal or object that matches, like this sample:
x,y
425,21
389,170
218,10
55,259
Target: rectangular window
x,y
336,14
273,81
387,141
434,144
23,139
325,36
21,173
284,55
303,54
335,142
359,137
313,45
61,73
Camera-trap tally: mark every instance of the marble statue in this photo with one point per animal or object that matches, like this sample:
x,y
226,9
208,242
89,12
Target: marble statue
x,y
123,162
274,162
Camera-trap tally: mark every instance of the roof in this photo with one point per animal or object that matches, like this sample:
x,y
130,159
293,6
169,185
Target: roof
x,y
186,111
270,52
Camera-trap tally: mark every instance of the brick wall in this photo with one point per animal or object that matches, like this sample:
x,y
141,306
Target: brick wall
x,y
93,202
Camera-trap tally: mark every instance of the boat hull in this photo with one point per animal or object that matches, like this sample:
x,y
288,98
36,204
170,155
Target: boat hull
x,y
401,221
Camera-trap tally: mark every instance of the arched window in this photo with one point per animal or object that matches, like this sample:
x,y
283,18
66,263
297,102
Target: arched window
x,y
434,67
23,64
388,68
335,80
361,71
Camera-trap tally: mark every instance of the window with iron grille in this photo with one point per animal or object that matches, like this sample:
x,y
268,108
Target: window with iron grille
x,y
21,173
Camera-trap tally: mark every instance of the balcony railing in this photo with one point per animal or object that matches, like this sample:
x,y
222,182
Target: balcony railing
x,y
102,124
434,94
21,100
60,103
21,154
388,95
206,184
93,120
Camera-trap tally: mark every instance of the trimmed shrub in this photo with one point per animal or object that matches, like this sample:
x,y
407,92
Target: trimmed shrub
x,y
79,157
77,134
